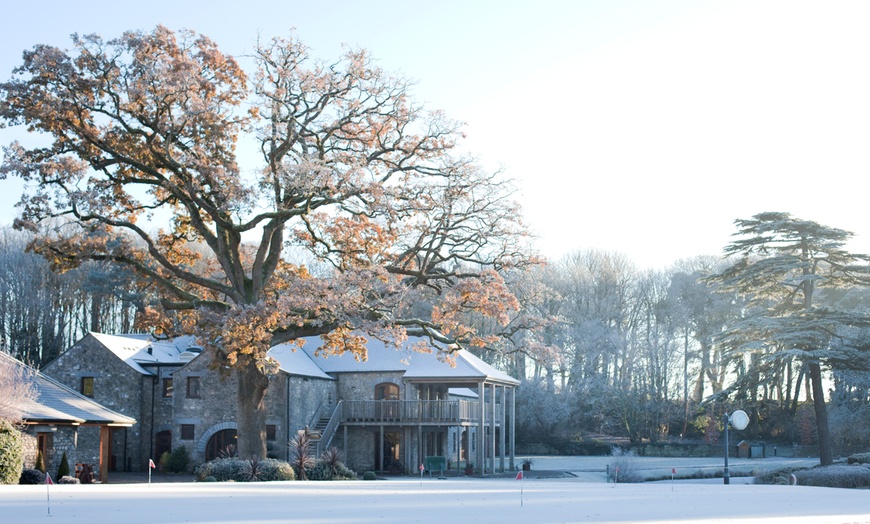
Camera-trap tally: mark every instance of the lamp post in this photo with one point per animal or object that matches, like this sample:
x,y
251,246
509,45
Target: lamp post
x,y
739,420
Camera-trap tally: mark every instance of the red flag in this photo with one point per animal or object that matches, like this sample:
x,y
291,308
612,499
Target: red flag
x,y
673,471
421,468
151,464
520,475
48,478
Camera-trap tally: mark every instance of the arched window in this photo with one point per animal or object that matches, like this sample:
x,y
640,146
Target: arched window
x,y
388,394
387,391
219,442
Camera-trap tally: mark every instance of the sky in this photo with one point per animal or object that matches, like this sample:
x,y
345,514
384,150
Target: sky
x,y
637,127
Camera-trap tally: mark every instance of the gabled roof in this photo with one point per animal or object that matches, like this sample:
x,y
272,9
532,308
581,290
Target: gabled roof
x,y
413,364
139,350
56,403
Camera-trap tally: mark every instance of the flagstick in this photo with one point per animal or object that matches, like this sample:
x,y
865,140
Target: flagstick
x,y
522,481
48,496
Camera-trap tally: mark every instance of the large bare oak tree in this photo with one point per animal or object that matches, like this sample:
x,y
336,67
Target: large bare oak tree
x,y
144,130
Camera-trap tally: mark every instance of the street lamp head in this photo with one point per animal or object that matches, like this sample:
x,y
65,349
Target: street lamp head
x,y
739,420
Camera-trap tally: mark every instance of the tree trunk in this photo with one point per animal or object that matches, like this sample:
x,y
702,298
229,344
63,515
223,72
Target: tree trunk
x,y
251,417
825,446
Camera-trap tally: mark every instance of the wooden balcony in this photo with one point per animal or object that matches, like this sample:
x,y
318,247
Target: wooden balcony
x,y
413,412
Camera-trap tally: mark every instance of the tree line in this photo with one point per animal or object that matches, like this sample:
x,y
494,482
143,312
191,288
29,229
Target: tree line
x,y
778,328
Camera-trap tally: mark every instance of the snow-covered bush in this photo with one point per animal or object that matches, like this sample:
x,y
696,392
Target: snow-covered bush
x,y
836,476
623,466
238,470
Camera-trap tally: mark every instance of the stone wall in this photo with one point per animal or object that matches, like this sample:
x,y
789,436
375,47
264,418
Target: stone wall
x,y
117,386
61,439
215,409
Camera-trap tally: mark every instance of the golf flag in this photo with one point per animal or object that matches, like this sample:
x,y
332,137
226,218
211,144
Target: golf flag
x,y
151,464
520,475
673,471
48,482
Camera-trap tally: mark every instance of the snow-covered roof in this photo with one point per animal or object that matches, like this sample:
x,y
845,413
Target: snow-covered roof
x,y
413,364
141,350
56,403
296,362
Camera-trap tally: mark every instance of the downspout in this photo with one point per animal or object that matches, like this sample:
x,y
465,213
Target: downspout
x,y
154,381
287,420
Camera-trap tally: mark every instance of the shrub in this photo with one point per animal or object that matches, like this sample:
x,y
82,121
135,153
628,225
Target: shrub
x,y
836,476
777,476
330,467
251,470
370,475
164,461
68,480
859,458
177,462
40,462
300,453
320,471
623,466
11,453
237,470
31,476
63,469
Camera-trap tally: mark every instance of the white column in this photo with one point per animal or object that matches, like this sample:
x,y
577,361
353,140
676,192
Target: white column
x,y
502,428
481,428
492,426
513,425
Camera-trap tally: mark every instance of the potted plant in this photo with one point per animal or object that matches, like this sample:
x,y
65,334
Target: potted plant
x,y
527,464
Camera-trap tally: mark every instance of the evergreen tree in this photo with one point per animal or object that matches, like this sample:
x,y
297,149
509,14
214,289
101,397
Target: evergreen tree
x,y
63,469
783,262
40,462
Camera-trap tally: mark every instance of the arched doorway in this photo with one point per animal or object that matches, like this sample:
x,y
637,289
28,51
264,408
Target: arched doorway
x,y
219,442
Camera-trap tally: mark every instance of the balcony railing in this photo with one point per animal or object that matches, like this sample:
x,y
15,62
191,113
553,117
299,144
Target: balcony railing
x,y
413,411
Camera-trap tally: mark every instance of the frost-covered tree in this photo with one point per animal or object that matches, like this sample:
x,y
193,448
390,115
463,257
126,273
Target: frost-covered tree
x,y
146,126
783,261
16,388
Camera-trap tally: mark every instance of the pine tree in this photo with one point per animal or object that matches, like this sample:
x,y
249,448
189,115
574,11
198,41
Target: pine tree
x,y
63,469
40,462
783,262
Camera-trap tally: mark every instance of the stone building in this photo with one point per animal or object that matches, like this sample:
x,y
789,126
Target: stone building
x,y
388,413
60,420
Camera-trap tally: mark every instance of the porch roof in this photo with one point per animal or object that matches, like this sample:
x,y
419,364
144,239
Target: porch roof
x,y
56,403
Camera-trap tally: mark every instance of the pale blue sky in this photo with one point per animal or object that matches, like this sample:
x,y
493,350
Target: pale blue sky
x,y
633,126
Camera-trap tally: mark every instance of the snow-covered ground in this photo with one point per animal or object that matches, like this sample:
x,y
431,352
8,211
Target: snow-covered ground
x,y
442,501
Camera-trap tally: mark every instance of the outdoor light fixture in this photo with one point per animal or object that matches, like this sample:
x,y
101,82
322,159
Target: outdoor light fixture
x,y
739,419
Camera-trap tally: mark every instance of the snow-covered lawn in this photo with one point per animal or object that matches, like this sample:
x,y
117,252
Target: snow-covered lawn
x,y
443,501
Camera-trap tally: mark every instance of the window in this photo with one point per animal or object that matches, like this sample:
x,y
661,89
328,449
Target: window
x,y
270,432
167,387
187,431
193,387
88,386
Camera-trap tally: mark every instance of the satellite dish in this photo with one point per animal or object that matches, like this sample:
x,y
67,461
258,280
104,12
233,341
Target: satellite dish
x,y
739,419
